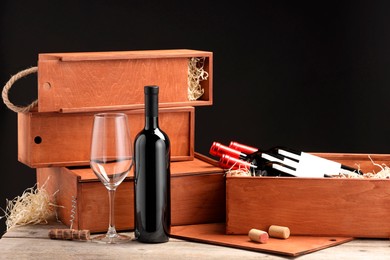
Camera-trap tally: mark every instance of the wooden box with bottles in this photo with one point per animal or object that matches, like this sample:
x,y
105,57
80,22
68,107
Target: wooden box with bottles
x,y
197,195
351,207
64,139
70,82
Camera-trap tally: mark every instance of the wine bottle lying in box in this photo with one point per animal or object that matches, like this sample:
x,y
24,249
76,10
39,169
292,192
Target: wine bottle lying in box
x,y
286,160
262,168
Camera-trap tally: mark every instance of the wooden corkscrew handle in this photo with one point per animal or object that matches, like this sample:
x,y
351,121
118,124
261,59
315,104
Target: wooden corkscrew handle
x,y
69,234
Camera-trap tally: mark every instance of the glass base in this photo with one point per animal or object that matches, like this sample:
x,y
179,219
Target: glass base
x,y
116,239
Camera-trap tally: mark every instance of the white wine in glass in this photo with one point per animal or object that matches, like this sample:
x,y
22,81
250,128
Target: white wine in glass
x,y
111,160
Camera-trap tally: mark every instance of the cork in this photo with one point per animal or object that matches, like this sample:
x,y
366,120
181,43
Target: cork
x,y
258,235
279,232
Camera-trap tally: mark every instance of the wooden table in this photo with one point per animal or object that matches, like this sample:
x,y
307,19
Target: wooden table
x,y
32,242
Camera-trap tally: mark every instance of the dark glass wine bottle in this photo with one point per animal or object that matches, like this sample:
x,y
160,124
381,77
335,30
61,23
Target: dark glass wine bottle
x,y
152,176
264,163
255,168
245,152
285,152
242,147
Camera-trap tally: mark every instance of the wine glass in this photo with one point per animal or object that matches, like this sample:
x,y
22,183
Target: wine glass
x,y
111,160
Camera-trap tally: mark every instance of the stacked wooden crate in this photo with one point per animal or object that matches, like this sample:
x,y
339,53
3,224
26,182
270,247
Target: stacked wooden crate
x,y
348,207
55,139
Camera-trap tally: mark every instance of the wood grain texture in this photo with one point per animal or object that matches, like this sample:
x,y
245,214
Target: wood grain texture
x,y
32,242
311,206
198,199
293,246
123,55
107,80
93,210
58,139
197,195
55,179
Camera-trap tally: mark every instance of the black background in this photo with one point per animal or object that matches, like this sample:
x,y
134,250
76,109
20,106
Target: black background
x,y
310,75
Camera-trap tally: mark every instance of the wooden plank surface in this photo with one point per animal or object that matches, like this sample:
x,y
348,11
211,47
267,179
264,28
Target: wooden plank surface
x,y
57,139
31,242
214,233
74,82
198,195
309,206
123,55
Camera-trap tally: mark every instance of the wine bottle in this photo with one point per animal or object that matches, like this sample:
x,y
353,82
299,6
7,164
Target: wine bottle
x,y
218,149
260,163
152,176
265,168
297,159
242,148
252,152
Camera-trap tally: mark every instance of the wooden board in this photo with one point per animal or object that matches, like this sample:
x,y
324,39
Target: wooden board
x,y
214,233
32,242
64,139
312,206
197,195
74,82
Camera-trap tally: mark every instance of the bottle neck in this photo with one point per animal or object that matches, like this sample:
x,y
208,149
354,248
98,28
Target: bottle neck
x,y
151,122
246,149
151,108
218,150
227,161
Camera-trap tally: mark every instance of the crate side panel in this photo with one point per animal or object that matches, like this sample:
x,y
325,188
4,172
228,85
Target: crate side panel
x,y
24,138
95,206
79,84
64,139
198,199
64,184
328,207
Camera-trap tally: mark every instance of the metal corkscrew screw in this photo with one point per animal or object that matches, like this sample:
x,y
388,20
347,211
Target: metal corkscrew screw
x,y
73,211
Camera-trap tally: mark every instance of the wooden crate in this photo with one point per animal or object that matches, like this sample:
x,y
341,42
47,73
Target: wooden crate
x,y
73,82
313,206
197,195
63,139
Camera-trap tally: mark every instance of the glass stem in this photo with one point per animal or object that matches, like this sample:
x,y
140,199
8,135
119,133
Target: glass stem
x,y
111,228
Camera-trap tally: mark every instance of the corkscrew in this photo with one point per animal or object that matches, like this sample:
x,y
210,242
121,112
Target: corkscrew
x,y
73,211
70,234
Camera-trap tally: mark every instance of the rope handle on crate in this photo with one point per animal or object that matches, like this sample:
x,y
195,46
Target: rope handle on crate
x,y
196,73
8,86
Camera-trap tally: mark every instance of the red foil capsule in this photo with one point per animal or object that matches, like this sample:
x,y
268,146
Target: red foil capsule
x,y
218,150
242,148
228,162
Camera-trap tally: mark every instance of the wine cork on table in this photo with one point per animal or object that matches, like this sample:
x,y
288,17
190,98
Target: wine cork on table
x,y
258,235
279,232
